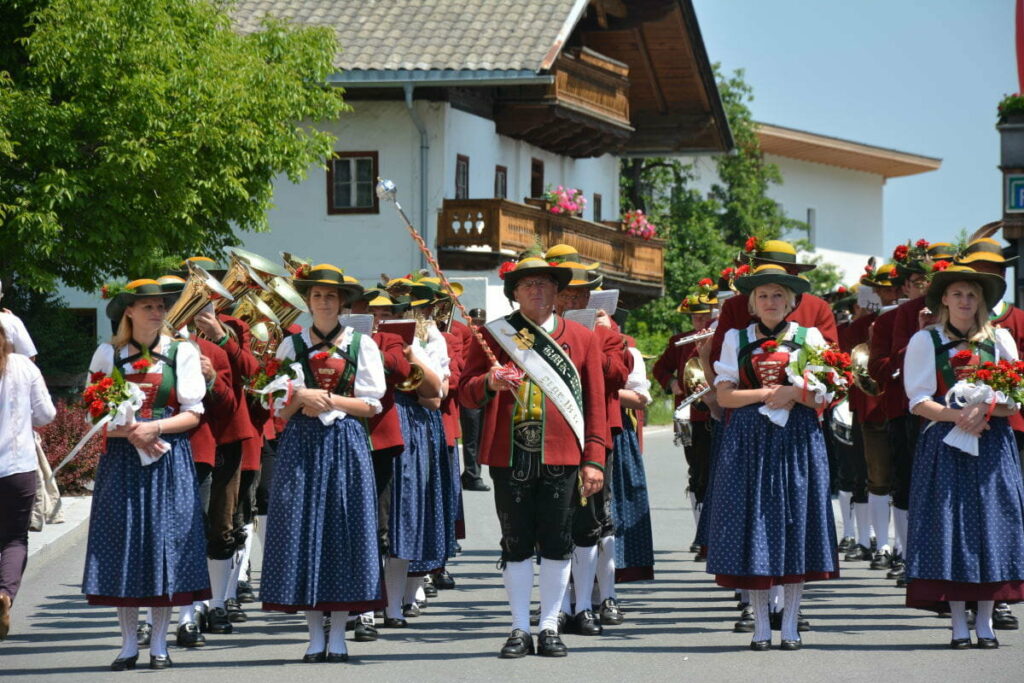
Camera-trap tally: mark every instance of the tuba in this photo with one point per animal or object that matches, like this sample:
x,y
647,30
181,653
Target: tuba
x,y
201,289
262,321
859,360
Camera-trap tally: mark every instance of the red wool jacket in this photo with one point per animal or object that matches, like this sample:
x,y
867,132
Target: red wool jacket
x,y
219,405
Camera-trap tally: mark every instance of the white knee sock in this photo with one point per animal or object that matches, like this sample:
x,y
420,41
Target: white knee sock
x,y
396,572
234,574
554,577
413,585
518,580
584,569
336,644
161,619
261,531
220,570
983,619
606,568
792,592
243,561
879,506
863,515
694,507
567,598
128,619
762,627
899,523
186,614
315,625
776,598
846,512
958,612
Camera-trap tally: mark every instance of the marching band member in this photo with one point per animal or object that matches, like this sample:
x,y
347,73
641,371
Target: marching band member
x,y
538,442
966,518
146,540
321,551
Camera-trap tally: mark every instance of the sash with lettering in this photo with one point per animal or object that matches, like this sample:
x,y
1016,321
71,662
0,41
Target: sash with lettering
x,y
545,363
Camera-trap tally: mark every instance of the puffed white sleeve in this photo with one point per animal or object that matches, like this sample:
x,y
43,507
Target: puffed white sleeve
x,y
919,369
637,380
1006,347
22,341
438,347
427,357
370,384
814,337
727,367
102,359
191,385
286,349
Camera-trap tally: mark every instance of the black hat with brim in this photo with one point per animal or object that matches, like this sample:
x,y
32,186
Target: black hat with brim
x,y
772,274
780,253
992,286
136,290
325,275
535,266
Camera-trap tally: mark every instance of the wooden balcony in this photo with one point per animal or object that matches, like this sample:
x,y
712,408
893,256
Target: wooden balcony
x,y
479,234
584,113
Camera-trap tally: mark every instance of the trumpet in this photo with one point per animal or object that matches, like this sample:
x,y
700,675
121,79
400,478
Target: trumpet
x,y
201,289
696,337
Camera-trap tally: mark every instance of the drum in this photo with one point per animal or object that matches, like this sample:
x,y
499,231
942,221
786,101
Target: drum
x,y
842,423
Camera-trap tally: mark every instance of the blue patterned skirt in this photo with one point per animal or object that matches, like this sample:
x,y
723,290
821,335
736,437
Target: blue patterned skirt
x,y
770,513
717,430
146,543
321,550
966,520
634,544
419,525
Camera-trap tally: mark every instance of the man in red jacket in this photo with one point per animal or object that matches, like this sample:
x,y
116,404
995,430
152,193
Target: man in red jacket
x,y
541,436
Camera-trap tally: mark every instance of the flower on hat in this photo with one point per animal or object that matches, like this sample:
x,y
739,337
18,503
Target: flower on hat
x,y
751,244
841,290
901,252
506,268
302,271
727,272
922,244
939,266
743,270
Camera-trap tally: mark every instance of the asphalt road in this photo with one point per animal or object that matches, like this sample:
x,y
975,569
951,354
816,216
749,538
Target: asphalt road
x,y
677,627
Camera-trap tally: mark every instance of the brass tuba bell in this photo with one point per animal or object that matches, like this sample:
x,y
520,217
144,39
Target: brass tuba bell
x,y
859,356
201,289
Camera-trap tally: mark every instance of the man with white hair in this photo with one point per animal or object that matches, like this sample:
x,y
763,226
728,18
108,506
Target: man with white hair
x,y
16,332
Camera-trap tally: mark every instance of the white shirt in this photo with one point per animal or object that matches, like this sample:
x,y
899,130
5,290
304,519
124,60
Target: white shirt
x,y
370,384
727,367
190,385
17,334
637,380
24,403
919,362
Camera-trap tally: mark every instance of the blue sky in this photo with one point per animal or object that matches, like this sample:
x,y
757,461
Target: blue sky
x,y
920,76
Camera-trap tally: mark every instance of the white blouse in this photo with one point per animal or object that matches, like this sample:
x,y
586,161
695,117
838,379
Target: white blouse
x,y
190,385
637,380
727,367
369,384
919,362
24,403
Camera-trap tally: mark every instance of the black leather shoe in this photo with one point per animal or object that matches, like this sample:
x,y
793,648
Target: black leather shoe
x,y
702,555
411,610
565,622
444,581
610,612
847,543
519,644
775,620
315,657
791,644
694,547
390,622
858,553
244,593
898,571
124,663
550,645
587,624
366,632
1003,619
882,560
337,657
901,582
143,634
235,613
189,636
746,622
987,643
217,621
160,662
960,644
475,485
201,619
802,625
760,645
429,589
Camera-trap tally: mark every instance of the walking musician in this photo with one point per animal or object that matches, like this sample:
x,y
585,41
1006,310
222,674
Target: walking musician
x,y
544,435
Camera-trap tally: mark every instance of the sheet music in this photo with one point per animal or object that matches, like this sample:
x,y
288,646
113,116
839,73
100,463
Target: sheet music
x,y
584,316
360,322
607,300
406,329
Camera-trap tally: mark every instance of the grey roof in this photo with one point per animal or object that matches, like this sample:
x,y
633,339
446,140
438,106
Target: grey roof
x,y
494,35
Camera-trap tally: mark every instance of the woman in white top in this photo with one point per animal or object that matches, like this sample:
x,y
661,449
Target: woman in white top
x,y
965,537
24,403
321,550
146,543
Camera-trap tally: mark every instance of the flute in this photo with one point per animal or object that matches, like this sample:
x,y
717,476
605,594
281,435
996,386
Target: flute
x,y
696,337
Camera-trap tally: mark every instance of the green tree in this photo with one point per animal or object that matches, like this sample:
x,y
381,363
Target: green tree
x,y
130,129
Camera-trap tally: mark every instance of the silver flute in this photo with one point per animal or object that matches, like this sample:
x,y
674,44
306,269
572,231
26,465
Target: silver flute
x,y
696,337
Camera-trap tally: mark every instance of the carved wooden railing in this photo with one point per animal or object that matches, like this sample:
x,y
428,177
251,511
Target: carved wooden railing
x,y
501,226
592,81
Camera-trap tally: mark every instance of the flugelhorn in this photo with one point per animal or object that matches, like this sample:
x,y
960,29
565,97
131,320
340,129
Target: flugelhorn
x,y
201,288
696,337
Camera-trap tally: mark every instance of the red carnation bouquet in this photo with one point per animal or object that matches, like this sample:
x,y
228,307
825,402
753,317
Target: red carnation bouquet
x,y
991,383
825,371
105,395
275,383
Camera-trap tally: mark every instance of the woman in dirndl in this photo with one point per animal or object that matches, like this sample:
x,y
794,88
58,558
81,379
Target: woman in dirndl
x,y
146,543
770,510
321,550
966,518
